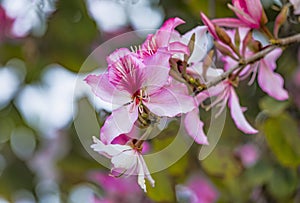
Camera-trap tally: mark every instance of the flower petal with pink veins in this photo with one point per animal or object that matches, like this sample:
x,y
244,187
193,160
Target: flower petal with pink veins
x,y
167,102
229,22
117,54
103,89
237,114
194,127
163,35
156,72
271,82
126,73
119,122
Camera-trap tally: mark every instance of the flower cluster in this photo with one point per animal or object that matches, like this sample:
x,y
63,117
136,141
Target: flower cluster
x,y
171,75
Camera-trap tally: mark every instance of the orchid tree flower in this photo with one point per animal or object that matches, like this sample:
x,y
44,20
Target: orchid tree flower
x,y
269,81
225,94
197,189
137,89
115,189
163,40
248,154
192,122
126,159
250,14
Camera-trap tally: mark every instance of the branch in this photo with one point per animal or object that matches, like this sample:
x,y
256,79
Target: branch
x,y
277,43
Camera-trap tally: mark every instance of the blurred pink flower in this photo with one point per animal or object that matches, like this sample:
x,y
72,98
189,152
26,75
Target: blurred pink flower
x,y
5,24
126,160
248,154
136,87
116,186
197,190
250,14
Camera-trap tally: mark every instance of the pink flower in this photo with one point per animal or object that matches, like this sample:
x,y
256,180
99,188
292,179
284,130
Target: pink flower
x,y
296,4
210,25
6,24
269,81
136,88
250,14
248,154
196,190
164,40
117,188
225,93
126,160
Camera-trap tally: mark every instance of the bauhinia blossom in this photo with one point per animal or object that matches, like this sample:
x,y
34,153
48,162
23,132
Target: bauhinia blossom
x,y
126,159
269,81
197,190
163,40
137,88
225,92
250,14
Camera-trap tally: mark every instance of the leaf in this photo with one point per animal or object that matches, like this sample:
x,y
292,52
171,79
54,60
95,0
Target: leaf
x,y
272,107
283,139
221,163
283,183
163,190
259,174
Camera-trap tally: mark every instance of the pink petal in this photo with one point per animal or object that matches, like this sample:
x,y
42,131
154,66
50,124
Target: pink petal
x,y
237,114
167,102
270,59
210,25
178,47
194,127
271,82
241,10
127,73
255,9
103,89
117,54
119,122
229,22
156,76
163,35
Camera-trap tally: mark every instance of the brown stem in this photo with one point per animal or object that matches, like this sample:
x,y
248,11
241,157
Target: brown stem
x,y
279,43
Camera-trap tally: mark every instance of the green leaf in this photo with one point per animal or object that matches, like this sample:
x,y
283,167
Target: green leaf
x,y
283,183
221,163
273,107
259,174
163,190
283,139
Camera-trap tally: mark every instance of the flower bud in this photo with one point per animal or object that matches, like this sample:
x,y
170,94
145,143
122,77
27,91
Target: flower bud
x,y
280,20
224,50
223,36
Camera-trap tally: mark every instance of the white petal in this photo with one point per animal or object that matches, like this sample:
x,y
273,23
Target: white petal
x,y
108,150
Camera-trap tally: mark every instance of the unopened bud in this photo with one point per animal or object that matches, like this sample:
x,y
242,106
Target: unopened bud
x,y
223,36
280,20
255,46
237,39
224,50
